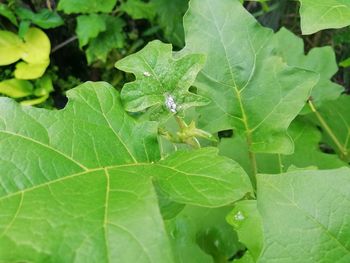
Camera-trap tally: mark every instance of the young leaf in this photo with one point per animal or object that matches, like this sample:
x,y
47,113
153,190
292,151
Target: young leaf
x,y
305,216
84,177
86,6
162,82
112,37
321,60
89,26
252,91
322,14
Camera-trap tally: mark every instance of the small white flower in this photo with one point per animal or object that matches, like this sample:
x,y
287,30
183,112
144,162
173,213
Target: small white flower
x,y
239,216
170,103
146,74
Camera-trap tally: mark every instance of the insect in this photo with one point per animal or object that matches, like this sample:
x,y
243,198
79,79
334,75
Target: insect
x,y
170,103
146,74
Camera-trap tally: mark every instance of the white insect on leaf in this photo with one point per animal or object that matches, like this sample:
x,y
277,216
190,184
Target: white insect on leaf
x,y
146,74
170,103
239,216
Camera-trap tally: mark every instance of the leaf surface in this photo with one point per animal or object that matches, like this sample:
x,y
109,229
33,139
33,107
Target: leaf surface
x,y
321,60
251,90
170,15
11,48
138,9
89,26
80,183
86,6
160,78
111,38
44,18
305,216
322,14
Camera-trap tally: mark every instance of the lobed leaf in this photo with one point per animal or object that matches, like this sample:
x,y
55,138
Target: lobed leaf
x,y
79,185
321,60
252,91
159,79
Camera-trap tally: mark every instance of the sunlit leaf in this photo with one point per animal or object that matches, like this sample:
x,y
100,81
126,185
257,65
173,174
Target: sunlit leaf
x,y
251,90
16,88
90,171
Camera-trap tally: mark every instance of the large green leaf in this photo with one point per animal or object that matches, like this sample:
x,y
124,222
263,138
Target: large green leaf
x,y
321,60
86,6
78,185
162,82
252,91
305,216
111,38
322,14
307,152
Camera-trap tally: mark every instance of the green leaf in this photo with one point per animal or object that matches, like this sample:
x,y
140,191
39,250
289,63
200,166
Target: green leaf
x,y
252,91
305,216
6,12
321,60
35,101
170,15
30,71
307,153
79,184
16,88
43,86
246,220
322,14
335,114
44,18
160,79
112,38
138,9
201,235
86,6
11,48
36,46
89,26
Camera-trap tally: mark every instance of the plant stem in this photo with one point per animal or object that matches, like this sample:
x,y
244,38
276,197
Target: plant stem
x,y
328,130
252,158
64,43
